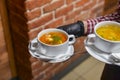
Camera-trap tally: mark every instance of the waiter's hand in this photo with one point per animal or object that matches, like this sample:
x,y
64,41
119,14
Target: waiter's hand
x,y
76,29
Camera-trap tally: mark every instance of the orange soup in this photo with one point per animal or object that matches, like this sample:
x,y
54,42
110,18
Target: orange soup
x,y
109,32
53,38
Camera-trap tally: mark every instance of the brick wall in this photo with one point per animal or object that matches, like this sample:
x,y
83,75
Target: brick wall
x,y
42,14
53,13
28,17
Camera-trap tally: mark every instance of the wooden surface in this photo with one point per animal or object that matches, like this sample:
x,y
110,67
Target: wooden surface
x,y
8,41
5,72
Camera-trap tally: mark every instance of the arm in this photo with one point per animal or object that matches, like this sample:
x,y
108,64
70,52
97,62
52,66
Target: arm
x,y
89,24
86,27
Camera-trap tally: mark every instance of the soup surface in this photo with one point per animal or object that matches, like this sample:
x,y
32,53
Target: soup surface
x,y
53,38
109,32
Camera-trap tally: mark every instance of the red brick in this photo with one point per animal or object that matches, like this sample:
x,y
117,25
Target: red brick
x,y
53,6
53,66
63,11
33,34
70,16
82,16
40,76
33,14
36,65
48,77
78,11
36,72
70,1
32,59
41,21
31,4
49,73
69,21
81,3
55,23
88,6
98,8
44,67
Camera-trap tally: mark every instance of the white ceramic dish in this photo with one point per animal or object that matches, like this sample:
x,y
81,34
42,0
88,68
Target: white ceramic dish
x,y
99,55
60,58
101,43
54,50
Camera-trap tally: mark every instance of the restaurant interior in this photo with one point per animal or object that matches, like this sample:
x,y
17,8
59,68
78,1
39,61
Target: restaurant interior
x,y
22,20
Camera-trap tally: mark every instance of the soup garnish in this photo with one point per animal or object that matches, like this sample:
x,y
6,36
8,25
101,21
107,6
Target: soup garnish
x,y
53,38
109,32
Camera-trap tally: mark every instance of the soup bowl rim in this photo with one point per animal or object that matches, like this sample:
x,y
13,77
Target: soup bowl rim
x,y
104,23
50,29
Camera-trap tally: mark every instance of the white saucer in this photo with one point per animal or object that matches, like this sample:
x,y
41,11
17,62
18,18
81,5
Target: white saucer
x,y
65,56
60,58
99,55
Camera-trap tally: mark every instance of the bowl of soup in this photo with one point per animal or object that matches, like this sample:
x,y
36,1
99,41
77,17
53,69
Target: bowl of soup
x,y
52,41
53,38
110,32
106,36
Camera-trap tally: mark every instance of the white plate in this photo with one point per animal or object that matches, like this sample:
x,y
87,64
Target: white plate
x,y
99,55
60,58
65,56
